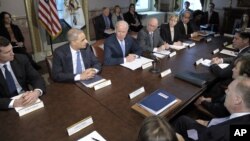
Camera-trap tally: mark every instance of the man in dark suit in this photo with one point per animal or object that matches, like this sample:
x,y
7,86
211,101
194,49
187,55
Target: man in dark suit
x,y
16,74
241,42
103,24
185,28
238,104
149,37
211,19
120,47
75,60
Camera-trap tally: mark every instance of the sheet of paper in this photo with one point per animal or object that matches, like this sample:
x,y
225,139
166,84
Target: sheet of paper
x,y
163,52
19,96
206,62
177,47
228,52
93,136
137,63
109,31
159,55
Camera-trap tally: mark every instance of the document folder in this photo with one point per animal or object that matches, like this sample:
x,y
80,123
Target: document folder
x,y
193,78
90,83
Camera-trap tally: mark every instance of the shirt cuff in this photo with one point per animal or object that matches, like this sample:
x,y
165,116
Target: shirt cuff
x,y
221,60
11,105
96,71
124,60
155,49
41,92
77,77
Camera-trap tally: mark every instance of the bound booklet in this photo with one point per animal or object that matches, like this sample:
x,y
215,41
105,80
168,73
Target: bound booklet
x,y
193,78
158,101
90,83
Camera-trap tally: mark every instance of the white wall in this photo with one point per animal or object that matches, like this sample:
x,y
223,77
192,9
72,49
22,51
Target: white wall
x,y
98,4
14,7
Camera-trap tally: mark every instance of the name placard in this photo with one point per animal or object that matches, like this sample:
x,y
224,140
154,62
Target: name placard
x,y
136,93
198,61
191,45
225,43
228,35
147,65
209,39
216,35
165,73
30,108
216,51
172,54
79,125
102,85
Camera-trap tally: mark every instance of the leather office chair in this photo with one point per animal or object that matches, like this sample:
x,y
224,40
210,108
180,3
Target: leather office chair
x,y
49,65
99,53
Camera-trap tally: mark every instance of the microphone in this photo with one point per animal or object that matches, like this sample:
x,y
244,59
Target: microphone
x,y
154,69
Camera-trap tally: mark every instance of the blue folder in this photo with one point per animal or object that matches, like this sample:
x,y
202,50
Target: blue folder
x,y
158,101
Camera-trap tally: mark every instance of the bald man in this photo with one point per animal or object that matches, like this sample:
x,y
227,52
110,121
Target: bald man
x,y
149,37
120,47
75,60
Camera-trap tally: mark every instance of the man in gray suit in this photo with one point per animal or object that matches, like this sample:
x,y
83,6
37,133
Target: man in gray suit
x,y
149,37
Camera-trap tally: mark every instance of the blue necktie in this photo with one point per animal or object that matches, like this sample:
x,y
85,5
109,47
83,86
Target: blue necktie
x,y
78,63
10,81
123,47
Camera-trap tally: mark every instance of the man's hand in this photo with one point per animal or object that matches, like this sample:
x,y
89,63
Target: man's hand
x,y
130,57
28,98
202,122
87,74
179,43
216,60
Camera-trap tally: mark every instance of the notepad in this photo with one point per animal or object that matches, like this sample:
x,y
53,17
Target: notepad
x,y
90,83
93,136
228,52
158,101
207,63
161,54
137,63
176,47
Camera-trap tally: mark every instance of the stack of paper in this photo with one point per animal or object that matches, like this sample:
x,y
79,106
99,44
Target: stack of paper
x,y
228,52
137,63
177,47
161,54
158,101
90,83
93,136
207,62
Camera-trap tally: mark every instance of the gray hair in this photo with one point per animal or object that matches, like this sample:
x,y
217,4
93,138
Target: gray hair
x,y
121,23
73,33
243,87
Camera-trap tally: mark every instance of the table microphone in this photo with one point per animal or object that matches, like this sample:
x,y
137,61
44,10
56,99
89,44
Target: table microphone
x,y
154,69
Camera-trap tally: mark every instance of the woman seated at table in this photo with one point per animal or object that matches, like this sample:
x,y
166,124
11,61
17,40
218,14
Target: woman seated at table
x,y
117,15
14,34
242,24
133,19
170,33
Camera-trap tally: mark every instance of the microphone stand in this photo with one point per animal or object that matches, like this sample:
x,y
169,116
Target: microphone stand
x,y
154,69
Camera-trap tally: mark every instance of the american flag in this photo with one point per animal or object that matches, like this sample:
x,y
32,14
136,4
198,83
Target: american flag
x,y
48,17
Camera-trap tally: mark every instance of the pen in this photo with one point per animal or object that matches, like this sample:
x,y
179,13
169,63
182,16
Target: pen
x,y
95,139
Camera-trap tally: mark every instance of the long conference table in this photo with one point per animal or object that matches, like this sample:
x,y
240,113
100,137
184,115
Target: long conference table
x,y
110,107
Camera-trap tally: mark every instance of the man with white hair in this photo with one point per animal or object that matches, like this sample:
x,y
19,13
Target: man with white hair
x,y
120,47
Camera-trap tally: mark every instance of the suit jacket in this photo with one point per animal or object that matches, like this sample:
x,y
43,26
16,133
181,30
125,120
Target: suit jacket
x,y
227,72
62,68
99,25
25,74
182,32
17,33
214,19
217,132
143,38
130,19
113,53
166,34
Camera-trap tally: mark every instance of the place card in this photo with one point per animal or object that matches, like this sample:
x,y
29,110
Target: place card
x,y
198,61
191,45
209,39
216,51
216,35
102,85
172,54
147,65
79,125
228,35
225,43
165,73
136,92
31,108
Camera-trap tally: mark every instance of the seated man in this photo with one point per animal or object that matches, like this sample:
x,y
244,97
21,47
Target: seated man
x,y
149,37
185,28
16,74
103,24
241,41
237,103
120,47
75,60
